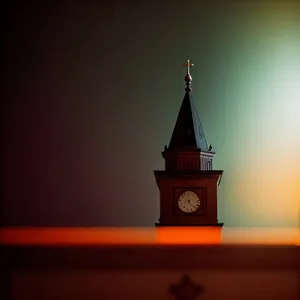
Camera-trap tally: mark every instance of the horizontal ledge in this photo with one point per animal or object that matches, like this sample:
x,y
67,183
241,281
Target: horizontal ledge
x,y
189,225
153,257
188,172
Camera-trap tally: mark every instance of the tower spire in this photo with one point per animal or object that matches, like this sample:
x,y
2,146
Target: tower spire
x,y
188,132
188,77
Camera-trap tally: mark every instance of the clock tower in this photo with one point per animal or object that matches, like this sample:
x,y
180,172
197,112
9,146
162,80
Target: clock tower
x,y
188,185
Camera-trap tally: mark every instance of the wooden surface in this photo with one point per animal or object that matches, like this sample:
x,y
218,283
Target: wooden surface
x,y
154,257
112,263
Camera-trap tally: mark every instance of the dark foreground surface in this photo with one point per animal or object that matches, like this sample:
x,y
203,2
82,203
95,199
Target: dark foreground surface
x,y
148,271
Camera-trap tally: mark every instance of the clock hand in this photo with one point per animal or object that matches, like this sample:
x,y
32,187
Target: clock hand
x,y
193,206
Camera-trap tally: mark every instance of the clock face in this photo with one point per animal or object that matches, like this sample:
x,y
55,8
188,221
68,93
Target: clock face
x,y
188,202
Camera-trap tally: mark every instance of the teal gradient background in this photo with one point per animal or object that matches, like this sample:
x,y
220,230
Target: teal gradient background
x,y
92,93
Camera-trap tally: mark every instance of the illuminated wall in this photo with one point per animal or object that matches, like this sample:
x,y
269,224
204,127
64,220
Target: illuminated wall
x,y
93,92
261,115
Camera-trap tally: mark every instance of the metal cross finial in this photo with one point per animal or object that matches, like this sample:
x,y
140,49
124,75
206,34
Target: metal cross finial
x,y
188,65
188,77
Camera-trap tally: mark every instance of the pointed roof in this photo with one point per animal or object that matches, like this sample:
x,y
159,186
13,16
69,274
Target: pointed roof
x,y
188,131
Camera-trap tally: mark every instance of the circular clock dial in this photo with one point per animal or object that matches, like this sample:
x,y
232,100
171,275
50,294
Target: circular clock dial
x,y
188,202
